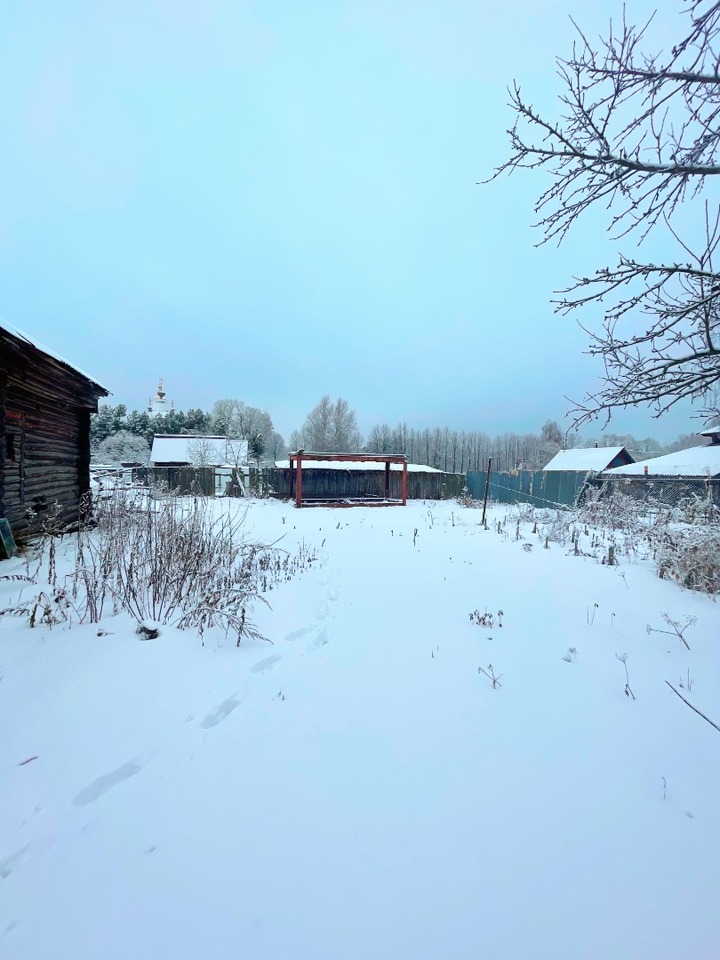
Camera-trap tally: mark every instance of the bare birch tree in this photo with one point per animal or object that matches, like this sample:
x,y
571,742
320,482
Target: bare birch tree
x,y
638,138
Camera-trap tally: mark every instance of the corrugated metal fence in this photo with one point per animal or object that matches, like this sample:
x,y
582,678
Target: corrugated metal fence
x,y
537,487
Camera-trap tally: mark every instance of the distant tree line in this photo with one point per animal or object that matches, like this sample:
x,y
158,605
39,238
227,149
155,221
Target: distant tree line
x,y
118,436
331,427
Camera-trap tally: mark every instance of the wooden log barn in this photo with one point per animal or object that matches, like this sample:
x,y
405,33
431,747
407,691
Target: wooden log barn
x,y
45,407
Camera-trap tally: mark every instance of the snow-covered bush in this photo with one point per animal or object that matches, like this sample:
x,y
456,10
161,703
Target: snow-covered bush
x,y
611,510
122,447
691,556
175,560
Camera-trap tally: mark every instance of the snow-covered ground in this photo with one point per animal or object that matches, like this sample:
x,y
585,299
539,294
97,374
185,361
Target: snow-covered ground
x,y
357,790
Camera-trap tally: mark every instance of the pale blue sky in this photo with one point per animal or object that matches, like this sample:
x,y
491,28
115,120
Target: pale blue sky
x,y
277,200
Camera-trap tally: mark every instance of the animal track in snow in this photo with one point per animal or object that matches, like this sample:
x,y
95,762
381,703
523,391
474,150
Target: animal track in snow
x,y
298,634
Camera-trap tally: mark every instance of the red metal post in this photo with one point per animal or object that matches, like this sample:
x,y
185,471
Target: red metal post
x,y
387,479
404,484
298,484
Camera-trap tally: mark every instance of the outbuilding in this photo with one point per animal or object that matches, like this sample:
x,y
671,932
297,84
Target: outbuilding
x,y
670,479
184,450
588,459
45,407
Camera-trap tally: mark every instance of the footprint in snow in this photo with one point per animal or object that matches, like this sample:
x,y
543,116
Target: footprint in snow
x,y
106,782
267,664
221,711
298,634
9,862
322,638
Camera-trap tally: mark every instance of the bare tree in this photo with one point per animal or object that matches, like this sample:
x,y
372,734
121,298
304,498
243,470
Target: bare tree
x,y
330,427
235,418
204,451
638,138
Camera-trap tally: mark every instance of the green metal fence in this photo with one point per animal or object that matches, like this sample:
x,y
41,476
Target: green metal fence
x,y
561,488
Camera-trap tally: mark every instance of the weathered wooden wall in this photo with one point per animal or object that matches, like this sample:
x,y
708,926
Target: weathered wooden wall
x,y
336,483
45,411
183,480
317,482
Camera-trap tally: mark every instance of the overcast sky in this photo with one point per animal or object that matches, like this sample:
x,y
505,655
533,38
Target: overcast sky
x,y
276,200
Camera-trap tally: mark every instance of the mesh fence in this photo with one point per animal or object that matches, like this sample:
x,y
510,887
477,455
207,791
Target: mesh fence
x,y
690,499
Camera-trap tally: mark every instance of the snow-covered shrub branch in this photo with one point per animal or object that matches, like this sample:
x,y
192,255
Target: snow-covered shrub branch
x,y
173,560
683,542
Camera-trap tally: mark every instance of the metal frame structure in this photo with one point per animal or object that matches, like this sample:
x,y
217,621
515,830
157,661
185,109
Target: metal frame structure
x,y
296,486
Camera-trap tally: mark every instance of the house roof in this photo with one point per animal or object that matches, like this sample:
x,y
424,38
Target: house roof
x,y
693,462
186,448
17,334
585,458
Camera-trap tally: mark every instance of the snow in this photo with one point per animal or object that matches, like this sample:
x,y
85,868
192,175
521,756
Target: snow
x,y
20,335
584,458
698,461
356,465
357,789
185,449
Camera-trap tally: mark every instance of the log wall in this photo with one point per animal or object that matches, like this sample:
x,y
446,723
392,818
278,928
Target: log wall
x,y
45,409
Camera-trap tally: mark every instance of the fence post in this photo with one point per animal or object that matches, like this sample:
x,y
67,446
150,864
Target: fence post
x,y
487,487
298,483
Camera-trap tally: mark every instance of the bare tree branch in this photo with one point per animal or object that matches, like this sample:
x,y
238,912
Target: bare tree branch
x,y
639,137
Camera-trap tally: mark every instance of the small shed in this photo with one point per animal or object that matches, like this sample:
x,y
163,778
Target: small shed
x,y
694,472
589,459
182,450
45,407
189,462
700,461
363,477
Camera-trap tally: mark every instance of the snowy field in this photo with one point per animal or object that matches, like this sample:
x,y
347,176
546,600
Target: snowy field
x,y
358,790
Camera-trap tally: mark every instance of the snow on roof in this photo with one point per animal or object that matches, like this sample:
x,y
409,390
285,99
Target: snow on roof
x,y
18,334
356,465
694,462
584,458
186,448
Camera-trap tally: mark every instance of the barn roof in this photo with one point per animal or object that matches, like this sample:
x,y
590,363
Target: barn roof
x,y
693,462
585,458
24,340
178,448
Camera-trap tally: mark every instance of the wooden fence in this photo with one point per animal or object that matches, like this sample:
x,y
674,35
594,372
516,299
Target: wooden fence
x,y
317,482
337,483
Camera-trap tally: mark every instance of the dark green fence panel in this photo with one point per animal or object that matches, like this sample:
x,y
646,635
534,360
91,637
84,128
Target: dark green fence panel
x,y
539,488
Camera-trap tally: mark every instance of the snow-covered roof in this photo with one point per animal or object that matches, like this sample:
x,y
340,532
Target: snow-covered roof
x,y
694,462
18,334
584,458
356,465
185,448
